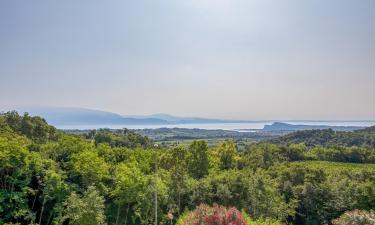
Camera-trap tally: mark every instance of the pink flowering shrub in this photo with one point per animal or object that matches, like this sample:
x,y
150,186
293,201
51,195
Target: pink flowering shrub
x,y
215,215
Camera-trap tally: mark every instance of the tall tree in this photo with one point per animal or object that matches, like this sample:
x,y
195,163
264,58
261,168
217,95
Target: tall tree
x,y
130,185
198,159
85,210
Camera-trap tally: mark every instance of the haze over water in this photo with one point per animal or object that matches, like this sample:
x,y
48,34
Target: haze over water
x,y
221,126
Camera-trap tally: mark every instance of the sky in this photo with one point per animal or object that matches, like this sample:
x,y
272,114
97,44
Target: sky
x,y
237,59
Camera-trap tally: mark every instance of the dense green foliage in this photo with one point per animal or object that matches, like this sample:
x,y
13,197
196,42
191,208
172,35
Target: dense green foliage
x,y
109,177
119,138
34,128
329,137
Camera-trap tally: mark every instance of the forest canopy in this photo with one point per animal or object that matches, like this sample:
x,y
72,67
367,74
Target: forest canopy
x,y
106,176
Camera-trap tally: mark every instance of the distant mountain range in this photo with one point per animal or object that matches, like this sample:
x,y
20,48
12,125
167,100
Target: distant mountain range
x,y
68,117
187,120
79,116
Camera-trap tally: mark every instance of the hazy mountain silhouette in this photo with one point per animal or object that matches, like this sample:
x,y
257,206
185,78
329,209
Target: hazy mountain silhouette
x,y
80,116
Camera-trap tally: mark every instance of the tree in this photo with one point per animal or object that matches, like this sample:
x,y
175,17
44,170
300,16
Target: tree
x,y
53,189
130,185
198,159
33,127
264,200
120,138
176,161
85,210
294,152
227,153
263,155
15,176
90,167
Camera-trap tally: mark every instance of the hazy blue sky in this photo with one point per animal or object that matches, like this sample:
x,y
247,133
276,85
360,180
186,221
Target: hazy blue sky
x,y
262,59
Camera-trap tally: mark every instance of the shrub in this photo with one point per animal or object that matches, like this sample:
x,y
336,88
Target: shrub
x,y
215,215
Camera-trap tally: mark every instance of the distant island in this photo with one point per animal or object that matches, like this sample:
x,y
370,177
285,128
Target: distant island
x,y
278,126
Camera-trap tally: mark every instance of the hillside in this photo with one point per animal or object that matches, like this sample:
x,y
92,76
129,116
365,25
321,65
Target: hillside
x,y
278,126
329,137
65,116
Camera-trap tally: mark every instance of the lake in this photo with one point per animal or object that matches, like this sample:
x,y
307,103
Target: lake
x,y
219,126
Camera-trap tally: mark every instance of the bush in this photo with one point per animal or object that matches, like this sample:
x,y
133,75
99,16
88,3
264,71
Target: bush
x,y
215,215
